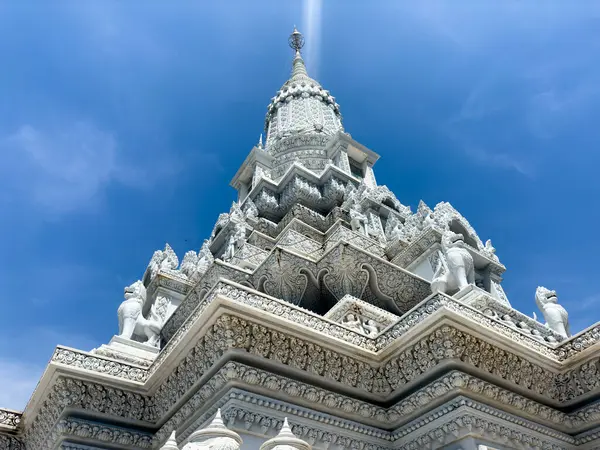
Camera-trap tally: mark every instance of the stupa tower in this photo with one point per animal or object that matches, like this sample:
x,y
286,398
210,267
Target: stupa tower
x,y
322,313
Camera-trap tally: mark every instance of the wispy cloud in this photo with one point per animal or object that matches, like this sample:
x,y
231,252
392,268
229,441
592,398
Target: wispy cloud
x,y
19,374
550,111
18,380
528,86
497,160
66,168
481,106
60,170
579,312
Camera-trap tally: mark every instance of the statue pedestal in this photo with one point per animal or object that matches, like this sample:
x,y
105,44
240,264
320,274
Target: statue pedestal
x,y
133,348
471,293
128,350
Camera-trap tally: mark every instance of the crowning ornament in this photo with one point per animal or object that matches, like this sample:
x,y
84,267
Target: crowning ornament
x,y
319,297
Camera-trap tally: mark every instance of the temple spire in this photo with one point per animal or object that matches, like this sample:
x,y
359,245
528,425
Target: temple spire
x,y
301,105
296,41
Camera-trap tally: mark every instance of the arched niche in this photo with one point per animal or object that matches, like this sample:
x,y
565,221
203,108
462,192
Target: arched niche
x,y
390,204
457,227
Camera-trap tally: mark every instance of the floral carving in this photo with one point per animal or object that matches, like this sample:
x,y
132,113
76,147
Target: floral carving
x,y
9,418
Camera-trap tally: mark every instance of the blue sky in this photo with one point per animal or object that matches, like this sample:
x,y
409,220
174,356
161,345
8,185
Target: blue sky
x,y
122,123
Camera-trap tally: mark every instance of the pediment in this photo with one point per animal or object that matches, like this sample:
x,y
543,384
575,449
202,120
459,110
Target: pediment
x,y
360,316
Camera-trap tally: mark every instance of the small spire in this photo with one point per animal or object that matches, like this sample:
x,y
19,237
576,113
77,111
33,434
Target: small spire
x,y
217,421
260,141
298,67
286,431
215,429
171,443
286,439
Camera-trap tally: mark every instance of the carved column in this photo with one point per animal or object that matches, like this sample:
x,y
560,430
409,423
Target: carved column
x,y
260,171
370,176
344,164
375,226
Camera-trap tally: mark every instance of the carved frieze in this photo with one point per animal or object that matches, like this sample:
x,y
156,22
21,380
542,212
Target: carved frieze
x,y
300,243
91,431
9,419
10,442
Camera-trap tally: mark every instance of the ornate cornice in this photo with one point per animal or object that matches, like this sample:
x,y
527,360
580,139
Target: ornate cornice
x,y
247,412
73,446
578,343
99,364
463,418
10,442
589,437
469,350
229,335
91,397
100,432
9,419
330,433
453,384
419,313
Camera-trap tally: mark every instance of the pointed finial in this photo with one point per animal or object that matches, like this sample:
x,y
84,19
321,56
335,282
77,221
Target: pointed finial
x,y
215,429
286,431
286,439
217,421
296,40
260,142
171,443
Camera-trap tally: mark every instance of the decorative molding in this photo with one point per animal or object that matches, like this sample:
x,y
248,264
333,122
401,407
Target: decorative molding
x,y
98,364
9,419
10,442
579,342
73,446
93,431
555,386
41,432
494,426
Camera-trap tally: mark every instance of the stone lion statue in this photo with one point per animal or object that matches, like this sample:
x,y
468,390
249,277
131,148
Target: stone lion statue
x,y
555,315
455,269
131,319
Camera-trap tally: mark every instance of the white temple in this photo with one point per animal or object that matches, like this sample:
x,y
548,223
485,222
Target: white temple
x,y
322,313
